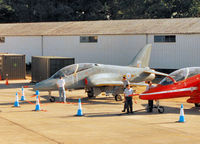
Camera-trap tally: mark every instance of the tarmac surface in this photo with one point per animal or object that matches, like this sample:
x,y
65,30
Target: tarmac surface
x,y
103,121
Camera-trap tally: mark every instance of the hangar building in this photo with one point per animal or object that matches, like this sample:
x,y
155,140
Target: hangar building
x,y
176,42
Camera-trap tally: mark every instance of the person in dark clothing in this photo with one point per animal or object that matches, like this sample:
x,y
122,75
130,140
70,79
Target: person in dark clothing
x,y
150,102
125,83
128,92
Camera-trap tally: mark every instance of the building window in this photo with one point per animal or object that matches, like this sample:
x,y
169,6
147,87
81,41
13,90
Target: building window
x,y
2,39
88,39
167,38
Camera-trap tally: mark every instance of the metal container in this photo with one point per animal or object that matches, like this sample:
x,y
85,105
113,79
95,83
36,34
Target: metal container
x,y
12,66
44,67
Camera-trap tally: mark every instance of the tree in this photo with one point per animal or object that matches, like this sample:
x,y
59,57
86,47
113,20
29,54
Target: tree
x,y
130,9
6,12
80,10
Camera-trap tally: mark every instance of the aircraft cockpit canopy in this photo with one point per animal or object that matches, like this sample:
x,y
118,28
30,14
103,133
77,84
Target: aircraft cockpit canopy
x,y
71,69
180,75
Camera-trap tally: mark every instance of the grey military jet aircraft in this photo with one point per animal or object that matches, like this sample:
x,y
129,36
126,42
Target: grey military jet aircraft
x,y
97,78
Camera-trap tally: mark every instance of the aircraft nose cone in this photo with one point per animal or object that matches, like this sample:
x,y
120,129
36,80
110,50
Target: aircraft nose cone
x,y
143,96
37,86
45,85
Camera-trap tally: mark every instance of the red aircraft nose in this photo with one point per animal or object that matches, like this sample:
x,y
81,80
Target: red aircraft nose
x,y
144,96
150,94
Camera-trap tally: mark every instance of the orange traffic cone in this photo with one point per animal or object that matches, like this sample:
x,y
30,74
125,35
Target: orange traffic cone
x,y
7,81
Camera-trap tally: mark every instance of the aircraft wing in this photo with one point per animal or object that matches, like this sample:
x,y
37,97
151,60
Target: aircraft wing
x,y
159,73
155,72
108,79
104,79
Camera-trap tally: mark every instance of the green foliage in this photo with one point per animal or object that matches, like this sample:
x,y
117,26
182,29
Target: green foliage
x,y
6,12
80,10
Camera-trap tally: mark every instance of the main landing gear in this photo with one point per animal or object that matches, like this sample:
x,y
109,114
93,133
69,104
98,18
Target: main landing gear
x,y
118,97
51,98
150,107
90,93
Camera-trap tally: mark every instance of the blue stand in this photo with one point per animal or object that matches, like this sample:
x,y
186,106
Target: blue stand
x,y
79,112
181,119
37,107
22,98
16,104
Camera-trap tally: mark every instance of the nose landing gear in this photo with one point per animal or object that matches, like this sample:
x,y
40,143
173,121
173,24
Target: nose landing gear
x,y
51,98
150,107
160,109
118,97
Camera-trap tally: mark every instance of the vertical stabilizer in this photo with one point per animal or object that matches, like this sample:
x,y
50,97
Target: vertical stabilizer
x,y
142,58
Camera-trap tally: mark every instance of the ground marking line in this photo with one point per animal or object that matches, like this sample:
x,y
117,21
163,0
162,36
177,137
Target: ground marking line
x,y
19,125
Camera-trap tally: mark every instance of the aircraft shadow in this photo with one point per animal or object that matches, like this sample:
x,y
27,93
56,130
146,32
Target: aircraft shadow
x,y
107,114
24,102
16,85
168,110
84,100
175,110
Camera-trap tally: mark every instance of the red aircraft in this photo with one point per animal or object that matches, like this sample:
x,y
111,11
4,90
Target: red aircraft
x,y
181,83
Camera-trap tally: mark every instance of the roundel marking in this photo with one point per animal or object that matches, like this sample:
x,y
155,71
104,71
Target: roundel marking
x,y
128,75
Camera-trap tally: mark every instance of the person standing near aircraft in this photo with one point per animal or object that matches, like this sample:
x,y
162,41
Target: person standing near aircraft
x,y
150,102
128,93
125,83
61,88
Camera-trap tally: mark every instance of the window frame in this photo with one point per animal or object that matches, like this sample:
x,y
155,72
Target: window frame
x,y
2,39
164,38
89,39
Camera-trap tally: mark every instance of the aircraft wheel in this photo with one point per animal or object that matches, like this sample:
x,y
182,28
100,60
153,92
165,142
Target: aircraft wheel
x,y
149,109
118,97
197,104
161,109
52,99
90,94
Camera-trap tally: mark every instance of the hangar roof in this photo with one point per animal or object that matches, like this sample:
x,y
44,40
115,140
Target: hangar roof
x,y
106,27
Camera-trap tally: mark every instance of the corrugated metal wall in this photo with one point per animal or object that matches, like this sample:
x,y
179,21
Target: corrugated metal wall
x,y
39,69
117,50
184,53
28,45
110,49
44,67
13,66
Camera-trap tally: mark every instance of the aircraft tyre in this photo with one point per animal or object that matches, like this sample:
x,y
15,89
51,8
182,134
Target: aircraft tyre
x,y
197,104
161,109
90,93
118,97
149,109
52,99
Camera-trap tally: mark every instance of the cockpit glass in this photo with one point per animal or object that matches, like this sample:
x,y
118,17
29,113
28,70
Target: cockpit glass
x,y
82,67
68,70
180,75
193,71
166,81
57,74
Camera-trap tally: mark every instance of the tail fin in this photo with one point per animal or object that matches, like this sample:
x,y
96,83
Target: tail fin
x,y
142,58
